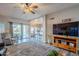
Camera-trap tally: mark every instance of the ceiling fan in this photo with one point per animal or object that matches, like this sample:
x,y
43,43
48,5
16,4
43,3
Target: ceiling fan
x,y
28,7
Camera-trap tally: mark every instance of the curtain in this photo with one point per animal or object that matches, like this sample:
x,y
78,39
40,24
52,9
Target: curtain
x,y
11,29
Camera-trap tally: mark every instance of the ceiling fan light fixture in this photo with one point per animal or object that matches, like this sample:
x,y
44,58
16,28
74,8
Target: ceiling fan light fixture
x,y
29,10
28,7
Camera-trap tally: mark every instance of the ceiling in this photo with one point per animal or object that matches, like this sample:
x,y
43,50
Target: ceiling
x,y
11,10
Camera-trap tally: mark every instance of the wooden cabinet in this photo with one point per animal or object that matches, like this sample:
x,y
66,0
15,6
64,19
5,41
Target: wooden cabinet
x,y
65,42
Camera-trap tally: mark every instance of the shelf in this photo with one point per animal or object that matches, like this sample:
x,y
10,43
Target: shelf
x,y
66,37
65,42
63,46
55,44
66,47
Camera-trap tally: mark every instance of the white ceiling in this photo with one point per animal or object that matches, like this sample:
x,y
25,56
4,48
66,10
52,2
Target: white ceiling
x,y
10,10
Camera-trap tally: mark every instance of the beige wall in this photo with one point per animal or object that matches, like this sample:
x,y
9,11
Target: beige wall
x,y
5,20
9,19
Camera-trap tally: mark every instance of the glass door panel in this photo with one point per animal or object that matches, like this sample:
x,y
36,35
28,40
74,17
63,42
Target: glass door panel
x,y
17,32
25,31
20,32
25,36
37,33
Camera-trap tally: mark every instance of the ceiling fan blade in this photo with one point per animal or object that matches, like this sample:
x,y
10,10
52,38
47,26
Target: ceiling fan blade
x,y
35,7
33,12
30,11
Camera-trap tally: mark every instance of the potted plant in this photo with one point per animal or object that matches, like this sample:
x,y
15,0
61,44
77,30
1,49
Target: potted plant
x,y
53,53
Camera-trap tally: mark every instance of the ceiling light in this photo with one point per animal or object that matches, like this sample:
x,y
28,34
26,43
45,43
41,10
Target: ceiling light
x,y
28,7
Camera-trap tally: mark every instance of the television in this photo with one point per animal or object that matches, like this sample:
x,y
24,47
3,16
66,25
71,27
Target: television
x,y
68,29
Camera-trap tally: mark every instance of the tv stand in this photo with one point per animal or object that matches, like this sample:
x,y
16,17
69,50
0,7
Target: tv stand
x,y
65,42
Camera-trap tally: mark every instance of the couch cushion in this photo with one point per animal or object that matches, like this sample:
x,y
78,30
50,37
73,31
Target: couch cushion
x,y
1,41
1,45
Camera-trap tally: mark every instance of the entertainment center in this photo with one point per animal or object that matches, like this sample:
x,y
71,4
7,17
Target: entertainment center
x,y
66,36
64,42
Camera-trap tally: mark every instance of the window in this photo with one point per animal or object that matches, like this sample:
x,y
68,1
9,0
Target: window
x,y
2,27
20,32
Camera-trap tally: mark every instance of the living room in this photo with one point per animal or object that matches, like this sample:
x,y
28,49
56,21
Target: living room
x,y
30,29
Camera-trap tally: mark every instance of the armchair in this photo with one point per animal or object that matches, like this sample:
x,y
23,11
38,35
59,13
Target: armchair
x,y
2,47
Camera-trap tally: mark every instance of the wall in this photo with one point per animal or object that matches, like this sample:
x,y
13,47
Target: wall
x,y
72,12
6,20
10,19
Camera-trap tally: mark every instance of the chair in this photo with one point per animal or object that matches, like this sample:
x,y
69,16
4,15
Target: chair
x,y
2,47
7,39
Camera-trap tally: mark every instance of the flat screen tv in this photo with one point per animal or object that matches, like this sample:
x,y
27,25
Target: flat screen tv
x,y
68,29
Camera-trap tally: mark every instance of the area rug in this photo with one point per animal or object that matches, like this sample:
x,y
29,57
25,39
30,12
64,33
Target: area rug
x,y
27,49
32,49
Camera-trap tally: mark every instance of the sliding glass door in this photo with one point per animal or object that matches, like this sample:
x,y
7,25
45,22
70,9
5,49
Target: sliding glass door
x,y
36,30
37,34
25,31
17,32
20,32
